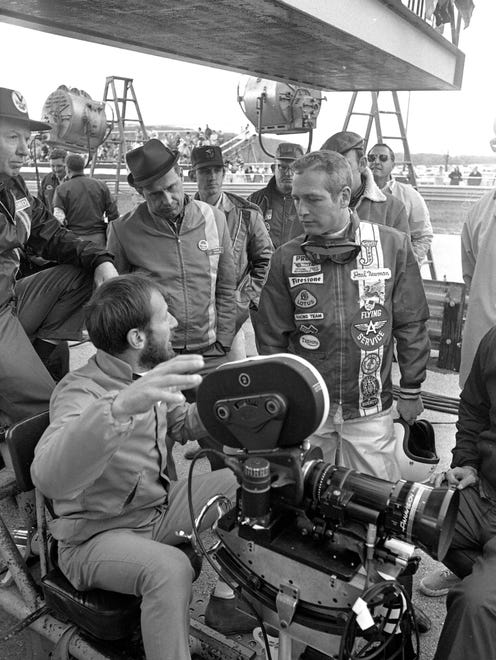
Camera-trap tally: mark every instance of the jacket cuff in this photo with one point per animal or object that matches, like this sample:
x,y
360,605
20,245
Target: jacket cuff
x,y
409,392
103,258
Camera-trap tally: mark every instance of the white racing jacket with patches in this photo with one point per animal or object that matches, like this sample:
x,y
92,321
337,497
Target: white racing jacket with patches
x,y
342,318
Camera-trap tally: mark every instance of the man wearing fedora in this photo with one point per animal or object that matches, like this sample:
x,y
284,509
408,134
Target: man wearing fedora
x,y
252,247
367,199
43,310
275,199
185,245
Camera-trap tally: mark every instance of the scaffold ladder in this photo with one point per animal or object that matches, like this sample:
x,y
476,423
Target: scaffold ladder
x,y
395,127
120,93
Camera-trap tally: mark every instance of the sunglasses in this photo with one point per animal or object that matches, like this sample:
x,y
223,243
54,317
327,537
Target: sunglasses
x,y
373,157
339,253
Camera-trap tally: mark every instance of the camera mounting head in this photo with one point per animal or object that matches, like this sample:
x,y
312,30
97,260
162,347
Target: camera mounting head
x,y
262,403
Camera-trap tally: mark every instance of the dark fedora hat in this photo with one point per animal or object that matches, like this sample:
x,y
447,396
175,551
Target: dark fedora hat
x,y
149,162
13,106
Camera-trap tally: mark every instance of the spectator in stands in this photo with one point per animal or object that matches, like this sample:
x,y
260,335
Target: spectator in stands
x,y
185,245
381,162
478,242
475,177
38,312
455,176
252,247
84,204
347,288
367,199
51,180
275,199
106,463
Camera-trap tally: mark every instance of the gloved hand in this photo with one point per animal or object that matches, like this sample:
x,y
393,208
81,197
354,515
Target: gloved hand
x,y
409,409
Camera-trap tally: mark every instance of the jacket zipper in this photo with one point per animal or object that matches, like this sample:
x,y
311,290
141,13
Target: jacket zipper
x,y
338,415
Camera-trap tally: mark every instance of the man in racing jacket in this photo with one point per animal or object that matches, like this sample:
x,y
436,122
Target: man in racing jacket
x,y
337,297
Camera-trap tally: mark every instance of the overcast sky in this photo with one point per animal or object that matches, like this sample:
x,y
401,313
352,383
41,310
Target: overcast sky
x,y
172,92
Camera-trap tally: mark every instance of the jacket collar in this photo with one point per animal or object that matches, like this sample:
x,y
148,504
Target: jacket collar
x,y
372,190
114,366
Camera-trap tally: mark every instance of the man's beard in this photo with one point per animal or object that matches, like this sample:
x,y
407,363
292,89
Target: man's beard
x,y
154,352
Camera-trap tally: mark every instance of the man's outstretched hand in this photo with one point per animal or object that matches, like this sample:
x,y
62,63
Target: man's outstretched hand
x,y
163,383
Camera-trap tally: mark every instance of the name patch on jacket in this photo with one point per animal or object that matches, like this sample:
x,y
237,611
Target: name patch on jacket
x,y
203,246
358,274
311,279
21,204
301,265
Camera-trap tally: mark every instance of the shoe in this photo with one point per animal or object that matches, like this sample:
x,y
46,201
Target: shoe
x,y
223,615
423,622
438,582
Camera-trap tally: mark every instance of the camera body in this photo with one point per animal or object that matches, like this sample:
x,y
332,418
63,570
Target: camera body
x,y
306,538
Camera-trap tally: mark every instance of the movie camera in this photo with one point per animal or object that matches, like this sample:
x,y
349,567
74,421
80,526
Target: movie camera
x,y
307,540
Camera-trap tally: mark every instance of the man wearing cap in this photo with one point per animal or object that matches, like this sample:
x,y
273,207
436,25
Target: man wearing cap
x,y
54,178
371,204
39,311
81,202
275,199
381,162
252,247
185,245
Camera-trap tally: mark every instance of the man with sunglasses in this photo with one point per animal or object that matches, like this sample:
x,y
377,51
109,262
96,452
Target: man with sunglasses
x,y
381,161
371,204
338,296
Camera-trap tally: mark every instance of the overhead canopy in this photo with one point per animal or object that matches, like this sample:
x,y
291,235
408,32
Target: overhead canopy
x,y
341,45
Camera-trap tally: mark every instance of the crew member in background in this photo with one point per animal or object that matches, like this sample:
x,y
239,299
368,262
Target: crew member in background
x,y
371,204
84,204
275,199
478,249
337,296
40,311
54,178
252,247
185,245
381,162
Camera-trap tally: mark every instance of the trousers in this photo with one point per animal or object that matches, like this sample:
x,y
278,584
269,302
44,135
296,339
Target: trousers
x,y
144,562
47,305
469,631
365,444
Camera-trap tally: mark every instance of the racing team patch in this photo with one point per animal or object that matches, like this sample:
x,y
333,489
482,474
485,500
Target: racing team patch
x,y
21,204
310,316
302,264
369,328
310,342
306,300
311,279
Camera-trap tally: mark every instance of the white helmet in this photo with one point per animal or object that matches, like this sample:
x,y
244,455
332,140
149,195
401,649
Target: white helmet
x,y
415,449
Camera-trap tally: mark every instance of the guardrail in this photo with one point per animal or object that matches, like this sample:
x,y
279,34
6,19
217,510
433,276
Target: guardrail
x,y
434,193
